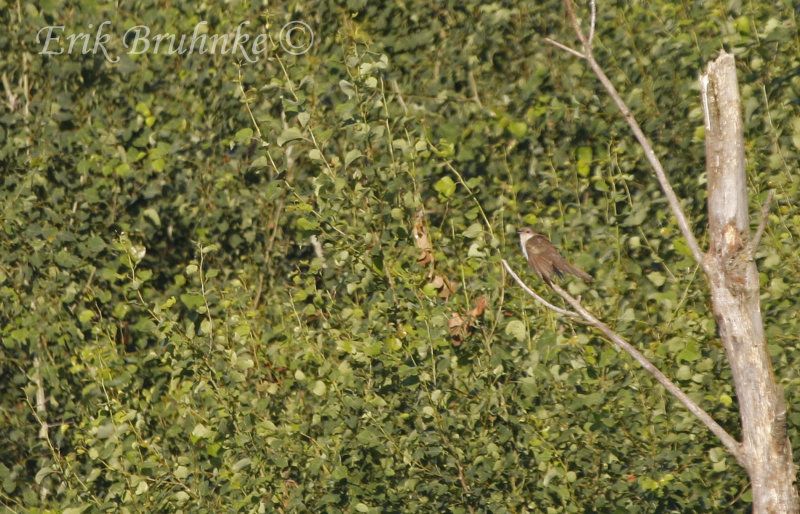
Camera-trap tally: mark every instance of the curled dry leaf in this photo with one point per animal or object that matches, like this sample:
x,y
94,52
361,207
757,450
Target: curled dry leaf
x,y
480,305
422,240
458,328
445,286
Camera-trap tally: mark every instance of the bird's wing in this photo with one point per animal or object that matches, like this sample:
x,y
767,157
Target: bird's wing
x,y
540,252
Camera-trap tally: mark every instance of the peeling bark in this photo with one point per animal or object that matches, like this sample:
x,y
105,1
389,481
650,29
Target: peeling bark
x,y
734,284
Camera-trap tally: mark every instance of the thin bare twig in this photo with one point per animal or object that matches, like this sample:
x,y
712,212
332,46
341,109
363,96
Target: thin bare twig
x,y
396,89
449,166
317,246
536,296
473,87
733,446
650,154
12,97
762,225
565,48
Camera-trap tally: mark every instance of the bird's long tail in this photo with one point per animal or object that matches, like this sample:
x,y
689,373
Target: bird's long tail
x,y
569,268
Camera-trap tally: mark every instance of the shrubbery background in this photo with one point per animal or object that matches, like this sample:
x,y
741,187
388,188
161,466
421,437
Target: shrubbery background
x,y
167,320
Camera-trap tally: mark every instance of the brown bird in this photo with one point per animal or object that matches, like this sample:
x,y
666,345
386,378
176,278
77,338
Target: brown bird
x,y
544,258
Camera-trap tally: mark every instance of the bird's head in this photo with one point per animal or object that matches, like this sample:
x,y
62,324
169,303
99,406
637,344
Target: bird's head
x,y
525,233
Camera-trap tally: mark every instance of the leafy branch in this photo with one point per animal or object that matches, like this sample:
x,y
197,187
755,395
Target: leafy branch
x,y
588,55
587,317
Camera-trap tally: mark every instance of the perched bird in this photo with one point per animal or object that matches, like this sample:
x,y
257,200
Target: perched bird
x,y
544,258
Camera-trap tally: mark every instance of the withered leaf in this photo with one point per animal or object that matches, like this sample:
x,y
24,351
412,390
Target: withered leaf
x,y
422,240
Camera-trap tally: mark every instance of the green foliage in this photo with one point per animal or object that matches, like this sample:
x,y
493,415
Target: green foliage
x,y
212,299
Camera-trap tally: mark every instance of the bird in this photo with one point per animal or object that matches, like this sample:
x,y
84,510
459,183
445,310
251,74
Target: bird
x,y
544,258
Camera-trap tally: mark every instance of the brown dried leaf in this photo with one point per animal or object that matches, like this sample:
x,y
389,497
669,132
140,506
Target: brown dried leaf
x,y
458,328
425,258
480,305
445,286
422,240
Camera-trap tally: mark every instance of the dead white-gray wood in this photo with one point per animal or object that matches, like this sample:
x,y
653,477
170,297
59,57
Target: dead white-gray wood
x,y
764,451
733,279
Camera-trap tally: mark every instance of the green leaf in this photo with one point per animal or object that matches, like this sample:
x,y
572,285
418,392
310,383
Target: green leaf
x,y
259,162
347,88
243,136
95,245
777,287
244,363
288,135
771,261
307,224
213,449
445,186
351,156
319,388
518,129
136,252
657,278
121,310
241,464
516,329
201,431
473,231
143,109
584,155
153,216
716,454
192,300
430,290
76,510
43,473
66,259
123,170
639,214
647,483
681,247
689,353
475,250
400,144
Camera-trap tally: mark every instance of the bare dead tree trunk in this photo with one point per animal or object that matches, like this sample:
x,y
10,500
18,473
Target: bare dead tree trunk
x,y
734,284
765,450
